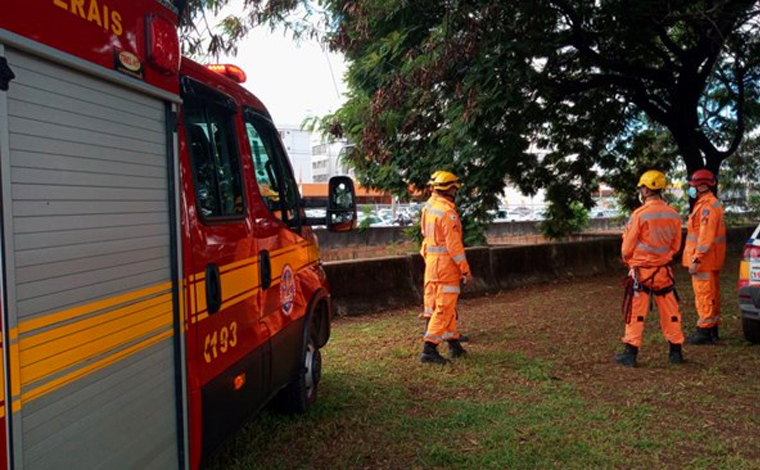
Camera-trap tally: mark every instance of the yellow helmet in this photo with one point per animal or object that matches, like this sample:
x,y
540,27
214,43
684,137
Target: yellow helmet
x,y
653,179
431,181
443,180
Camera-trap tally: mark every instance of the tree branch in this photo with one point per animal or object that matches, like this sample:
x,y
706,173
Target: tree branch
x,y
739,135
579,40
654,106
669,44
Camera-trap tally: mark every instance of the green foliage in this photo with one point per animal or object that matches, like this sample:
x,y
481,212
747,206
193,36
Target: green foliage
x,y
413,233
545,94
646,146
563,220
367,221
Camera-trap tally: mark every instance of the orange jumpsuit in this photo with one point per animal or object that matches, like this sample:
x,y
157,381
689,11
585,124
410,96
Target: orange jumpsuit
x,y
706,244
651,239
445,265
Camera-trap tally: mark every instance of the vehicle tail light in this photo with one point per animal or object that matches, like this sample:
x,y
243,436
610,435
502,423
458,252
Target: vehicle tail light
x,y
232,72
751,253
163,44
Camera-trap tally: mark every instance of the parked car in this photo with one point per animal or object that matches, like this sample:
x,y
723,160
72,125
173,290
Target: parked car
x,y
499,215
749,288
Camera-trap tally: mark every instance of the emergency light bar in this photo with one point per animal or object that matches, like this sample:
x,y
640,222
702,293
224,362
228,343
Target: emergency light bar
x,y
232,72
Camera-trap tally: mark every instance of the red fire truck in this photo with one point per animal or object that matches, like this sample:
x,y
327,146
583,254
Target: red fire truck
x,y
160,282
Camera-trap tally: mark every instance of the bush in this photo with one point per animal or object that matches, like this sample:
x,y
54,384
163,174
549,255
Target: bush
x,y
562,220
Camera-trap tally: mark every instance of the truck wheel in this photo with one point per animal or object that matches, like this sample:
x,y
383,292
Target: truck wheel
x,y
297,396
751,329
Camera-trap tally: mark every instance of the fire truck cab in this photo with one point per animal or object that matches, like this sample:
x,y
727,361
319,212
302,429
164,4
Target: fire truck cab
x,y
160,281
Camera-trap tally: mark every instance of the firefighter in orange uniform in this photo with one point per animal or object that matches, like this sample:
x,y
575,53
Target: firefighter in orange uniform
x,y
445,267
704,255
651,240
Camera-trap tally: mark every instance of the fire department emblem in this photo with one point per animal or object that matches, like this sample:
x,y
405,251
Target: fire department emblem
x,y
287,289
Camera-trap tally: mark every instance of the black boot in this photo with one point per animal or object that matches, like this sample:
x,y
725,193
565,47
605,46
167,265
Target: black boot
x,y
701,336
456,349
714,332
675,355
430,354
628,357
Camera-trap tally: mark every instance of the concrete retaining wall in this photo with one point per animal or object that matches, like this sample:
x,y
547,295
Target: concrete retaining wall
x,y
365,286
383,236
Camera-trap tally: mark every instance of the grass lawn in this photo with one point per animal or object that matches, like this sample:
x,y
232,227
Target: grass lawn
x,y
538,390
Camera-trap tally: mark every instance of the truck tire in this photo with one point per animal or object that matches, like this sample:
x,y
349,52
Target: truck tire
x,y
298,396
751,329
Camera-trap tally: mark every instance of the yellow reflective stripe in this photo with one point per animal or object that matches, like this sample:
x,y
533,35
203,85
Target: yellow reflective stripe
x,y
47,320
94,367
59,355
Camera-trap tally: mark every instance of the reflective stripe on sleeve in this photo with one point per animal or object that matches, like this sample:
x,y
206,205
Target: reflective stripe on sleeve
x,y
660,215
450,289
703,249
653,249
703,276
428,310
692,238
459,258
437,249
437,212
708,321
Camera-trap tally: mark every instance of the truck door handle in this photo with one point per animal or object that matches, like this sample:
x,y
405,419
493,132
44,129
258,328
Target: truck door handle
x,y
213,288
265,269
6,74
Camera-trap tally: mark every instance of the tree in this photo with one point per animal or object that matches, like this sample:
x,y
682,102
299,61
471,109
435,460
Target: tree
x,y
550,94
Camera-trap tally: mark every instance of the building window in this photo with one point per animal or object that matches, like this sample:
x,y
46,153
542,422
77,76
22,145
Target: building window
x,y
319,149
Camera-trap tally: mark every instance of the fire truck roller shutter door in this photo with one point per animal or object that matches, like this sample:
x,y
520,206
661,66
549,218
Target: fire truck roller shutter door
x,y
88,234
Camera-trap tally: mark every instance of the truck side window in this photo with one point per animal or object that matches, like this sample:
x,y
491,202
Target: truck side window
x,y
216,167
273,174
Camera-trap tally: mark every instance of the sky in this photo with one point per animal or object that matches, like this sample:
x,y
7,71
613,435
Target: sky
x,y
292,79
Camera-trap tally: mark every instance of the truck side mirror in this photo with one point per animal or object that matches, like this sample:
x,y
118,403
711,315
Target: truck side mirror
x,y
341,204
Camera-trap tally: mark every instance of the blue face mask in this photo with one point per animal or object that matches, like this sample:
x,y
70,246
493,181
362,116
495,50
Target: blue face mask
x,y
693,192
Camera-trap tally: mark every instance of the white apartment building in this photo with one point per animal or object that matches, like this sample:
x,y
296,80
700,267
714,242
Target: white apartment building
x,y
326,160
298,145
